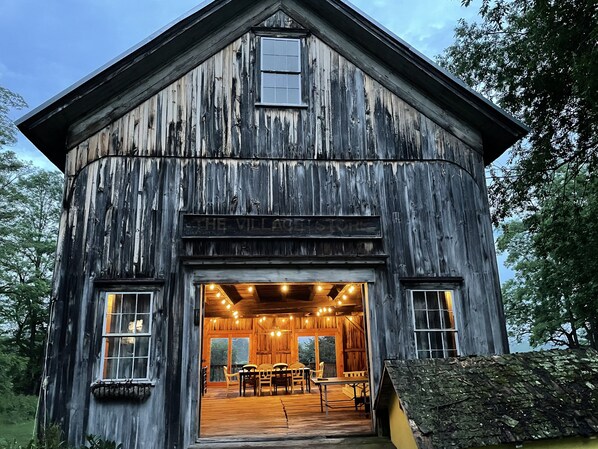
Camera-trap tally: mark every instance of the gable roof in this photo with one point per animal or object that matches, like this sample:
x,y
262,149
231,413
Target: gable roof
x,y
114,89
481,401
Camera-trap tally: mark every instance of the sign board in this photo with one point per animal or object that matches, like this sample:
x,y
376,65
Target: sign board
x,y
270,226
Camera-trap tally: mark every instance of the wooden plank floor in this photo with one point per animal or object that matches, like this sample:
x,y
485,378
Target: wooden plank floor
x,y
278,415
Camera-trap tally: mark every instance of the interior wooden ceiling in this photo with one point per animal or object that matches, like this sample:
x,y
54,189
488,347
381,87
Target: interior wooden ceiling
x,y
257,300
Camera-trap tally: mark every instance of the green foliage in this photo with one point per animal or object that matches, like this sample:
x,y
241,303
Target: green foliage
x,y
52,438
554,252
539,60
95,442
8,100
28,230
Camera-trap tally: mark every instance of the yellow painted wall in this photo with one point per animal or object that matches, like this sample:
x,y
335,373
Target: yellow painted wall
x,y
400,432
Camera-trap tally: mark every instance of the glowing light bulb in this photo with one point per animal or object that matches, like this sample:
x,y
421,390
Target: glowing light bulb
x,y
228,307
284,288
272,334
211,286
278,334
223,301
328,319
320,288
237,322
291,318
345,296
250,289
218,295
351,289
340,303
318,314
329,309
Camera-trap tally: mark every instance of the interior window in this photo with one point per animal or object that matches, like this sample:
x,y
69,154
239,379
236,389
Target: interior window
x,y
434,320
281,71
126,336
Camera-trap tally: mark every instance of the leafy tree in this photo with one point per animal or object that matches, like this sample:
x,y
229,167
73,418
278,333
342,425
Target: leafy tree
x,y
8,100
29,215
539,60
27,247
554,252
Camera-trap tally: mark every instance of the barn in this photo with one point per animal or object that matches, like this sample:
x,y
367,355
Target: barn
x,y
263,202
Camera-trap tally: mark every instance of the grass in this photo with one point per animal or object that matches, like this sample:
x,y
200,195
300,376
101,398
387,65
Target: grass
x,y
16,420
19,432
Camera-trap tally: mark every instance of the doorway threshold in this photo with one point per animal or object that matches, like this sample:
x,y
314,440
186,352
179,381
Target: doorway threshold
x,y
362,441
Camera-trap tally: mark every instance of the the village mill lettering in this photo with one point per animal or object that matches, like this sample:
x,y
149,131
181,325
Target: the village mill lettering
x,y
196,226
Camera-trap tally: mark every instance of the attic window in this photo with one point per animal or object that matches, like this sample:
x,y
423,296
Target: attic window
x,y
434,323
280,71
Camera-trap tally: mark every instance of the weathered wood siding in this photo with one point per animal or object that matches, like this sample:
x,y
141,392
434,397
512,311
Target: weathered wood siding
x,y
202,146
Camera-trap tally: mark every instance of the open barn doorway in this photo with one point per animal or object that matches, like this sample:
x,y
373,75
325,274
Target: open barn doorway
x,y
284,359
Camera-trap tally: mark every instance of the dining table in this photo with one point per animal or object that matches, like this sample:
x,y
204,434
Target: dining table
x,y
248,373
324,382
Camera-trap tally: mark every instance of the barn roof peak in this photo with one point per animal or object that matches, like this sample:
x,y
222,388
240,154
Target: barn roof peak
x,y
90,104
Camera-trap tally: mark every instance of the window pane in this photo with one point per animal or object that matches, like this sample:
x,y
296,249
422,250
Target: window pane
x,y
422,341
434,319
436,340
450,341
327,353
294,96
142,325
112,348
140,368
110,368
432,300
240,353
142,346
421,319
218,358
127,325
419,300
125,368
307,351
143,303
113,323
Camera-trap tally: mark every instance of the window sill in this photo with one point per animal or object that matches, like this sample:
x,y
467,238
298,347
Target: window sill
x,y
281,105
122,390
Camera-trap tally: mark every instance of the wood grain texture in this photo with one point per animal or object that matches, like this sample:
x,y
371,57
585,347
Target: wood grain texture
x,y
201,146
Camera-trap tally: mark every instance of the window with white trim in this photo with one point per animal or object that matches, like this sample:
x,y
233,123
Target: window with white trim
x,y
126,337
434,323
280,71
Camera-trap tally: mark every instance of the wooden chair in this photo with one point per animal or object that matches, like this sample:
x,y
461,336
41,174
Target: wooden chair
x,y
281,377
250,378
297,376
264,377
318,372
230,379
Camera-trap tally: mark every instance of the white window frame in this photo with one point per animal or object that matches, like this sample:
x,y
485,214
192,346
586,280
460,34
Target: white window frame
x,y
281,72
454,329
106,335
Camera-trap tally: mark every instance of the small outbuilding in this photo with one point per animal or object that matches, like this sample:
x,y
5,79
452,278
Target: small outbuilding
x,y
539,399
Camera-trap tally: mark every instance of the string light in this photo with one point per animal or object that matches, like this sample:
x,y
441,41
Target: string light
x,y
351,289
211,286
320,288
250,289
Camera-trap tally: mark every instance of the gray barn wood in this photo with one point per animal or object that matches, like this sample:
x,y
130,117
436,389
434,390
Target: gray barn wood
x,y
155,142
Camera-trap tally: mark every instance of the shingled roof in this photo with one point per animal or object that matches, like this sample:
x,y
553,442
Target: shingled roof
x,y
480,401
